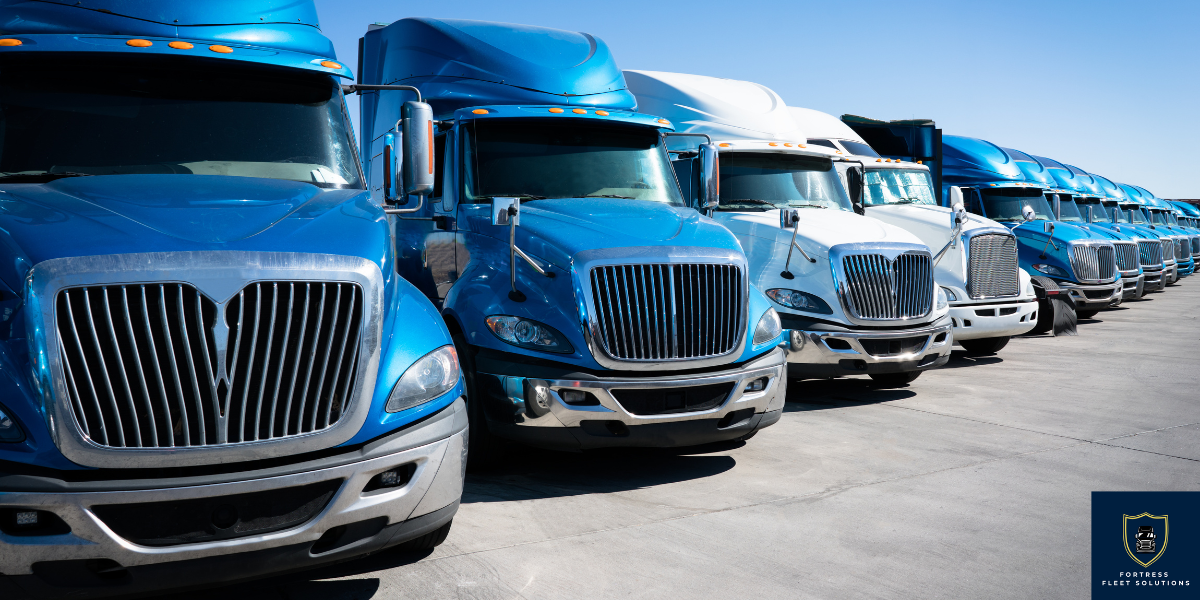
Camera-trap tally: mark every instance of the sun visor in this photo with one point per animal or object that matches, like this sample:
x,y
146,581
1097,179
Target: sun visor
x,y
289,26
459,63
721,108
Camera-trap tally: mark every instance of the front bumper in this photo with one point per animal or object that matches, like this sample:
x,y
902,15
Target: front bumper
x,y
1171,273
1154,281
1133,287
353,522
1093,297
606,422
976,321
1187,268
823,354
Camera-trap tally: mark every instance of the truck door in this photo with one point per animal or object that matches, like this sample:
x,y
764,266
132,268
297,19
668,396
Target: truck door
x,y
426,240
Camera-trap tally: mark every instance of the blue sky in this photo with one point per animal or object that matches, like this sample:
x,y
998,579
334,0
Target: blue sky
x,y
1110,87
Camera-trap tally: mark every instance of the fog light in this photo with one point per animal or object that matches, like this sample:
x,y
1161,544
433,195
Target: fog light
x,y
392,478
757,385
573,396
27,518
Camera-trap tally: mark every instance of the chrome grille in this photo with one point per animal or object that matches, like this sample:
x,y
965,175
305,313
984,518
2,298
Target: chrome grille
x,y
1168,250
1151,254
1180,252
1093,263
1196,246
155,365
992,269
883,289
1127,256
668,311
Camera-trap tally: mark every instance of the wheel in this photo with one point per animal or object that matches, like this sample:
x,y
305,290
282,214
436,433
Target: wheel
x,y
895,379
1086,314
484,448
429,541
984,346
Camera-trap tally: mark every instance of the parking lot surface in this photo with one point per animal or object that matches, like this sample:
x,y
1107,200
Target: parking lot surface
x,y
973,481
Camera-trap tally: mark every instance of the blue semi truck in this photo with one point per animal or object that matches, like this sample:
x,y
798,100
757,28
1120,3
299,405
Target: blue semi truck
x,y
1143,205
1104,211
210,369
995,185
590,305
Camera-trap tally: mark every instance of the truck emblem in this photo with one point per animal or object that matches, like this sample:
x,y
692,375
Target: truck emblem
x,y
1143,543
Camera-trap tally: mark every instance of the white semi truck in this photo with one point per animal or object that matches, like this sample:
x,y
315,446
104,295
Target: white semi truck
x,y
856,294
991,298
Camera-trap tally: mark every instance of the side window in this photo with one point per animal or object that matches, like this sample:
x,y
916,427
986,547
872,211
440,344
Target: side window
x,y
825,143
439,158
446,181
972,201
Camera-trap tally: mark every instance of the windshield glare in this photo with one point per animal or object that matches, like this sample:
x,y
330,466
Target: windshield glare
x,y
753,181
897,186
1069,212
120,115
1001,207
565,158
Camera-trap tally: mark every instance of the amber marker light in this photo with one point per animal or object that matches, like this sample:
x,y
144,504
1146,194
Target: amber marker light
x,y
10,42
329,64
220,49
181,45
723,145
787,145
480,111
772,144
603,113
579,111
556,110
664,121
139,43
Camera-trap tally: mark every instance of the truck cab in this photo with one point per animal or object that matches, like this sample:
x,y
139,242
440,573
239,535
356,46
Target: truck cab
x,y
1105,212
1189,217
590,305
810,248
991,298
1076,187
209,368
1011,190
1140,211
1163,214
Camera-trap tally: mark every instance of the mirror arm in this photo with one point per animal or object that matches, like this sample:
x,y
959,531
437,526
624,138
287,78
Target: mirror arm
x,y
513,252
950,244
787,274
358,88
1049,242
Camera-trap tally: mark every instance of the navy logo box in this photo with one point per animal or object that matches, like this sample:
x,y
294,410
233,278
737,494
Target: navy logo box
x,y
1145,544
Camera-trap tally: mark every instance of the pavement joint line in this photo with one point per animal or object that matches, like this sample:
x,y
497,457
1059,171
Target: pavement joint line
x,y
825,492
1146,451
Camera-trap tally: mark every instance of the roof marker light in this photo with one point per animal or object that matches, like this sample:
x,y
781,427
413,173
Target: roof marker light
x,y
664,121
579,111
603,113
724,144
556,110
801,146
920,163
772,144
10,42
879,160
480,111
181,45
787,145
137,43
329,64
220,49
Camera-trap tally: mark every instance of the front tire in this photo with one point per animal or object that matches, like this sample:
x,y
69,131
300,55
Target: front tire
x,y
984,346
895,379
484,448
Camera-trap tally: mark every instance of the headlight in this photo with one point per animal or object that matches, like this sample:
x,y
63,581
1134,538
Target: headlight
x,y
950,295
799,301
435,374
1052,271
942,301
529,334
10,432
768,328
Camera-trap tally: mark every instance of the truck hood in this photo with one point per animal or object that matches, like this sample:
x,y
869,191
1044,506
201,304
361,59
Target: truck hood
x,y
818,230
122,214
1063,232
558,229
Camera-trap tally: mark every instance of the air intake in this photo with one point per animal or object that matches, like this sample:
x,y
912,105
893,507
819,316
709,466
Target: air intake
x,y
879,288
992,266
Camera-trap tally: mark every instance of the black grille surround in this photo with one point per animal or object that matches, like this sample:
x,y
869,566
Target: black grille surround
x,y
668,312
992,269
667,401
158,365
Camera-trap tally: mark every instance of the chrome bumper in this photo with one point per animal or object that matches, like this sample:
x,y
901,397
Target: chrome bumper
x,y
976,321
1094,297
544,419
836,353
1154,281
1133,287
436,484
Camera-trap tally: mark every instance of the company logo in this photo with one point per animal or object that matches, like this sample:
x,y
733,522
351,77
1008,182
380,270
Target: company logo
x,y
1145,537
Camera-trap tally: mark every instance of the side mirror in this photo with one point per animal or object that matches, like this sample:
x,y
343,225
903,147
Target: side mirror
x,y
506,211
788,218
958,214
418,148
854,185
1049,226
1027,213
710,177
391,170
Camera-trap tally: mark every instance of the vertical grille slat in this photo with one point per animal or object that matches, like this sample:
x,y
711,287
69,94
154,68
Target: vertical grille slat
x,y
146,365
879,288
992,269
667,311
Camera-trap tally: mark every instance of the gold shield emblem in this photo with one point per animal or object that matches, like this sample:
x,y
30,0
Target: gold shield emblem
x,y
1145,537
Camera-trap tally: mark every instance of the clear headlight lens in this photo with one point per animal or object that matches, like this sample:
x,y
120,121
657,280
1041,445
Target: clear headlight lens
x,y
799,300
1052,271
950,295
768,327
529,334
942,300
10,432
435,374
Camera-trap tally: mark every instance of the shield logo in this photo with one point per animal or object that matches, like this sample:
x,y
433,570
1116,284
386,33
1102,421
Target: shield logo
x,y
1145,537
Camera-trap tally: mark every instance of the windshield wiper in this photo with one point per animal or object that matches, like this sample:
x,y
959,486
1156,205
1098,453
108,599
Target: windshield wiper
x,y
38,176
521,196
906,201
610,196
806,206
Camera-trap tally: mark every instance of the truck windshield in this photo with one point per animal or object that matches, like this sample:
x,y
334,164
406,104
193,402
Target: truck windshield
x,y
1069,212
1135,215
1003,205
1158,218
759,182
536,159
897,186
122,115
1094,212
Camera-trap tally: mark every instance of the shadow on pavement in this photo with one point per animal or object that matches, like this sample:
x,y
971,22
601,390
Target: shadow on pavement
x,y
960,359
530,473
822,394
303,585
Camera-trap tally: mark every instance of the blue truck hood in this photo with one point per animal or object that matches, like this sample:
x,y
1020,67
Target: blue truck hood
x,y
1063,232
120,214
558,229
